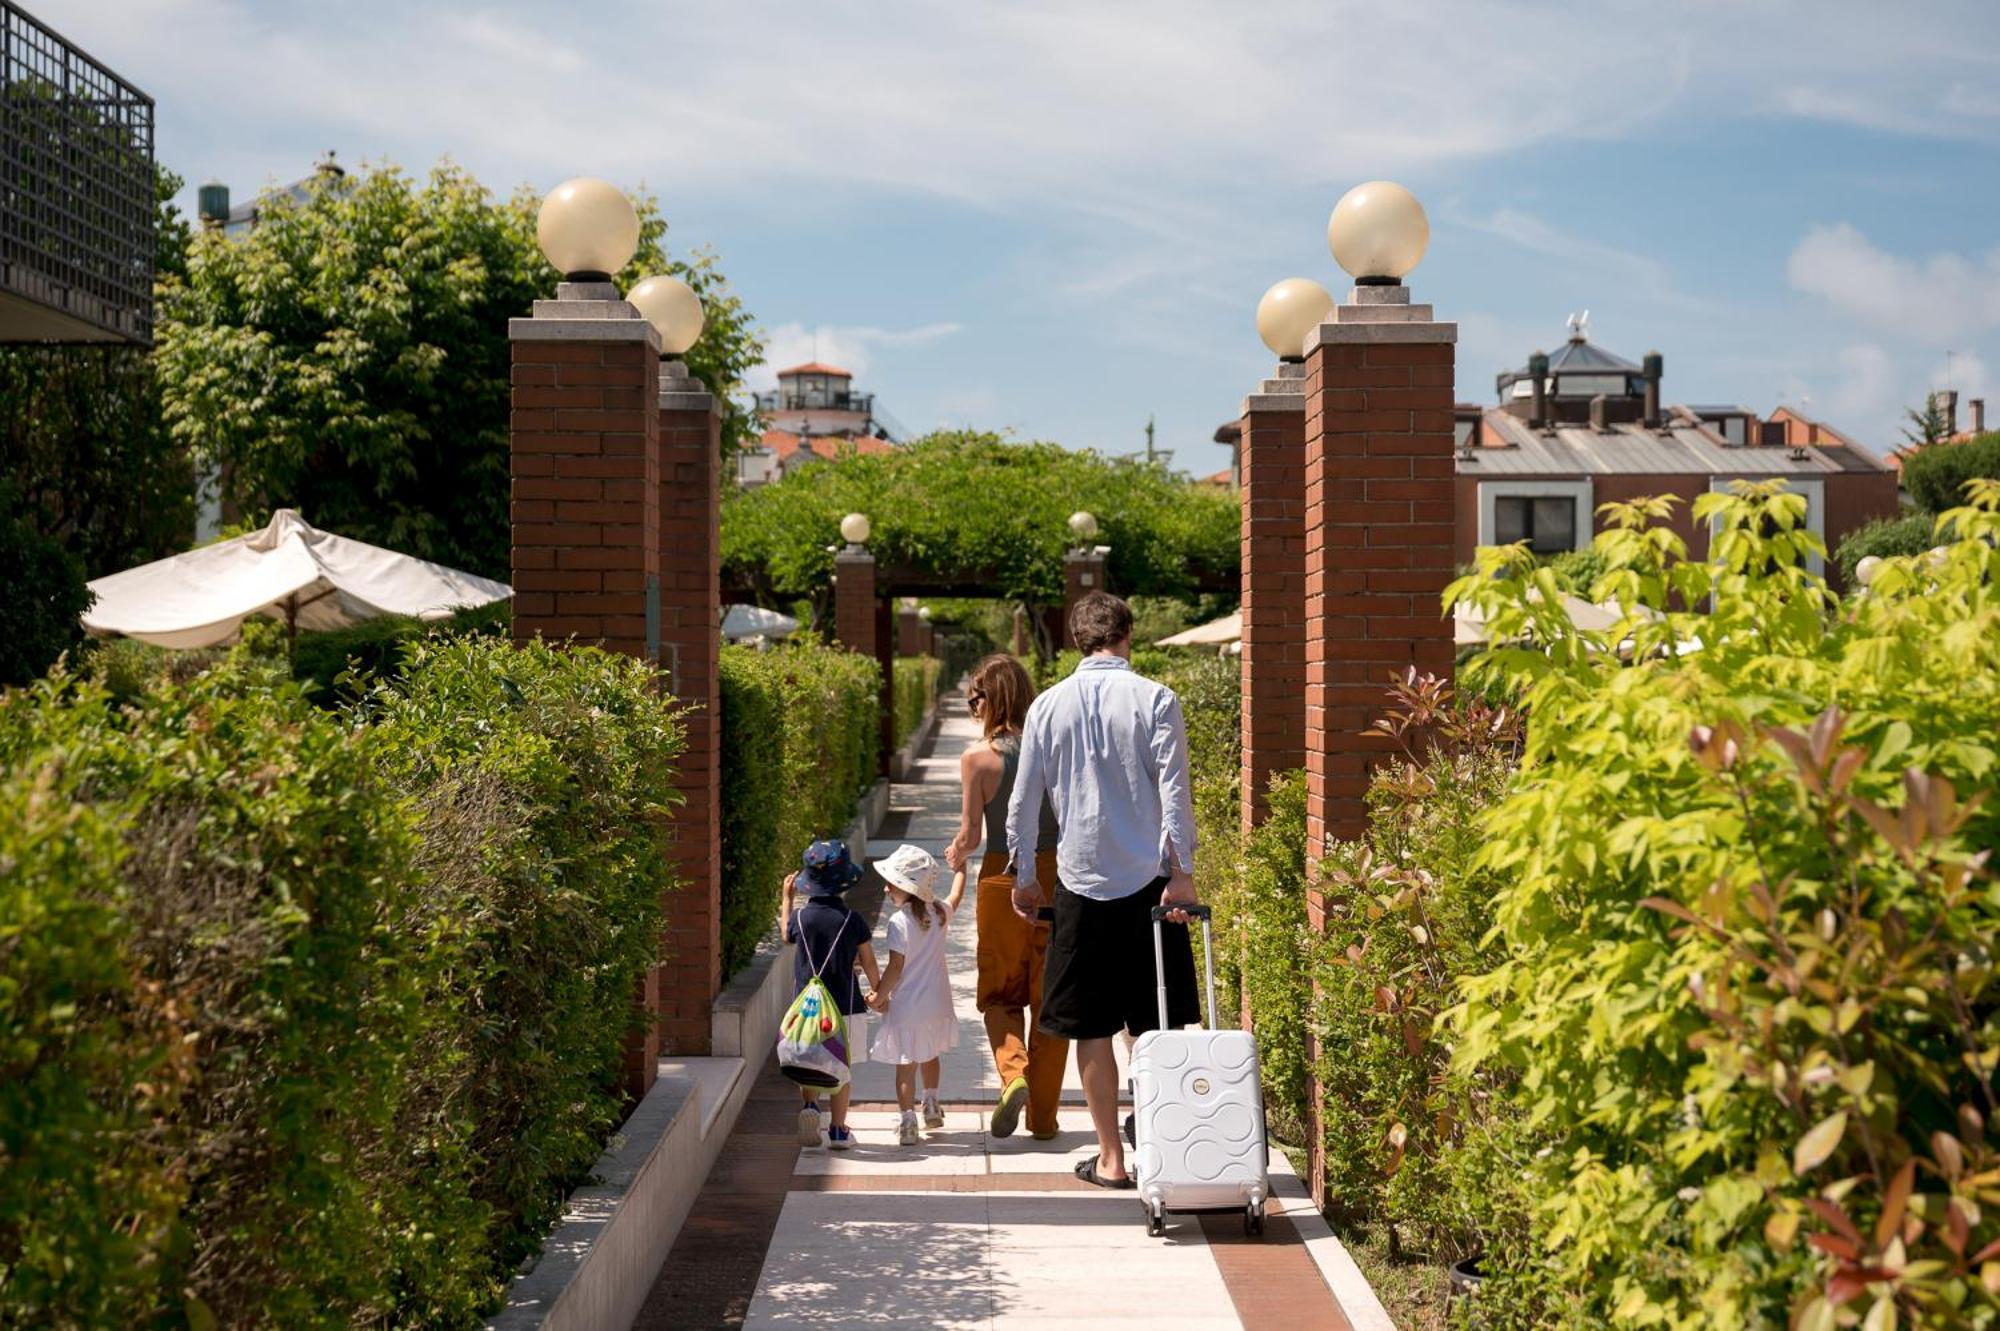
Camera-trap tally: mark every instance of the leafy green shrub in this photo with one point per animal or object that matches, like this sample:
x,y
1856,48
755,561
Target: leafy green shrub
x,y
1909,534
1408,911
1268,904
308,1019
375,648
1936,475
1746,915
265,859
542,777
45,595
1576,570
916,686
800,737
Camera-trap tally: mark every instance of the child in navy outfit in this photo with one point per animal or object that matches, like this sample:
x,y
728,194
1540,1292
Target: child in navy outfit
x,y
836,938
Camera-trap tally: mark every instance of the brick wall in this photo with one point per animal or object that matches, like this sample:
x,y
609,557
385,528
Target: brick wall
x,y
584,461
1272,459
1379,536
585,512
690,601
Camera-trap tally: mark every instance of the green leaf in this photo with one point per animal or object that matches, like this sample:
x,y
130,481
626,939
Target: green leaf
x,y
1819,1142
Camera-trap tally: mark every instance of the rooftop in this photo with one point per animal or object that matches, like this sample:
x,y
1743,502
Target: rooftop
x,y
815,367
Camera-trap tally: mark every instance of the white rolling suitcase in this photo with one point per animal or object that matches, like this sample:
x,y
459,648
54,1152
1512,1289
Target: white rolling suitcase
x,y
1197,1111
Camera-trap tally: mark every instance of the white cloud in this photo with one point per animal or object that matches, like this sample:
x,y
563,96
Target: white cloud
x,y
847,346
1626,268
1944,296
1867,384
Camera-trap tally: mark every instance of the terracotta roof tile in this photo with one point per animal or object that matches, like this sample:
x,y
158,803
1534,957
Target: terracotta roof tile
x,y
815,367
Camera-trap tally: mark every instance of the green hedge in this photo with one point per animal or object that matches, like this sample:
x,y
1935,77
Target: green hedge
x,y
377,647
309,1019
1909,534
916,687
1936,475
800,744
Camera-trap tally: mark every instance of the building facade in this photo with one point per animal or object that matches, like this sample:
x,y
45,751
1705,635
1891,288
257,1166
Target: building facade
x,y
1585,427
814,414
76,153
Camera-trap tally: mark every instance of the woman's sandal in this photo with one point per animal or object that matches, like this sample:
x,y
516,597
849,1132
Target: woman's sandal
x,y
1087,1171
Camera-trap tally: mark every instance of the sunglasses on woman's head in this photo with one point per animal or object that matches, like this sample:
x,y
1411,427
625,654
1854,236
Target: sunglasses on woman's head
x,y
974,698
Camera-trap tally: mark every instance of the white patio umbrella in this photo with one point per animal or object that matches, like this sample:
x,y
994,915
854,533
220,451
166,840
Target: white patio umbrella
x,y
754,621
291,572
1212,634
1469,626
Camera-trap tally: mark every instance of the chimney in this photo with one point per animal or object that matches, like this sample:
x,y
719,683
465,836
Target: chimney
x,y
1538,372
1599,420
1653,365
1948,403
212,204
1978,406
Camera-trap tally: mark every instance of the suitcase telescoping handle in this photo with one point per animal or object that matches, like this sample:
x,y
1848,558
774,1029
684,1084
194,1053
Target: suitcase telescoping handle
x,y
1203,913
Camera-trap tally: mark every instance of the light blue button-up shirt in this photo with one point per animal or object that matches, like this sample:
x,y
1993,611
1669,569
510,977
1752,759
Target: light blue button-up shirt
x,y
1109,747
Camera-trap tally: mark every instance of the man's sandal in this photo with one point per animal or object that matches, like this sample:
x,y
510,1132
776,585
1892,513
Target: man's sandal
x,y
1087,1171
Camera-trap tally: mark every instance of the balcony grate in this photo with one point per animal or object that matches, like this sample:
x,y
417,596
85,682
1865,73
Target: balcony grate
x,y
76,182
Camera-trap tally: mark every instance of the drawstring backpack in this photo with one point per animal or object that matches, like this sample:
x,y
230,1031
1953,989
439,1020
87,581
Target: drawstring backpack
x,y
812,1039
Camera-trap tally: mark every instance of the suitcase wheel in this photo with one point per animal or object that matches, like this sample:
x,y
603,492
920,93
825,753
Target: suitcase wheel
x,y
1156,1220
1132,1131
1253,1219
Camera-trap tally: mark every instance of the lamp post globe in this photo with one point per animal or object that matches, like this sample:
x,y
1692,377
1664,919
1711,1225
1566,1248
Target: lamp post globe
x,y
1083,526
588,229
1866,568
1378,232
854,529
924,613
673,309
1288,313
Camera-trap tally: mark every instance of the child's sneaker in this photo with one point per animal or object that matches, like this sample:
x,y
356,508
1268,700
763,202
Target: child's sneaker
x,y
933,1111
839,1139
906,1129
809,1126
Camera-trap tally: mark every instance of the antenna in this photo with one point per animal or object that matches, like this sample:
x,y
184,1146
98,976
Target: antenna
x,y
1149,438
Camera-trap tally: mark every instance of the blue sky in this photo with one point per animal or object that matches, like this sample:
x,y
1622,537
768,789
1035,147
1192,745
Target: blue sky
x,y
1057,218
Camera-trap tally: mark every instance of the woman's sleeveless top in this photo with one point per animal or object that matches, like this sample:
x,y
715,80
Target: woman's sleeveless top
x,y
1009,748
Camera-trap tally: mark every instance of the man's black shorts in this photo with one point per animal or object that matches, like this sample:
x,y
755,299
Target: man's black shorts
x,y
1099,976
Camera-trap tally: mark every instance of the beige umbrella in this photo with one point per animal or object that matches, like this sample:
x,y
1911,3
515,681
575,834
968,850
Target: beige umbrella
x,y
1212,634
290,571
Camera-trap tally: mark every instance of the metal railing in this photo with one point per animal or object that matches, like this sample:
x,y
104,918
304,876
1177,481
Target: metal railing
x,y
777,400
76,186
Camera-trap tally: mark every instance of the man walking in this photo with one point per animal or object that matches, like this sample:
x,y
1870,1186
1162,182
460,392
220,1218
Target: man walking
x,y
1109,748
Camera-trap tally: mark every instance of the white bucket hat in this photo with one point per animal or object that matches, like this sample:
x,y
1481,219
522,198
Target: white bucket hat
x,y
911,869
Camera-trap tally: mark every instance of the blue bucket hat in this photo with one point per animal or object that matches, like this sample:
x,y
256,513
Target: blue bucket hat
x,y
828,870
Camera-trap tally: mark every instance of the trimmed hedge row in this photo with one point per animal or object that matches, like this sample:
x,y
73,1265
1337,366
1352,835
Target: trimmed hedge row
x,y
311,1019
800,736
916,685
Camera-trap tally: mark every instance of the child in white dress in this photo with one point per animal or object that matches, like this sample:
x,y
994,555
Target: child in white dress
x,y
915,992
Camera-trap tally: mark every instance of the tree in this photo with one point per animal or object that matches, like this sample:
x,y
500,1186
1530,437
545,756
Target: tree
x,y
81,438
44,597
348,356
976,504
1928,426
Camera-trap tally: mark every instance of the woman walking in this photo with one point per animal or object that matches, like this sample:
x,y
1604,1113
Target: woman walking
x,y
1011,949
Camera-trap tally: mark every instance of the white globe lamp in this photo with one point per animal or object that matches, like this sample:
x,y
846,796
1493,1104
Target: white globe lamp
x,y
1378,232
854,529
1866,569
1289,312
1083,526
924,613
673,309
588,229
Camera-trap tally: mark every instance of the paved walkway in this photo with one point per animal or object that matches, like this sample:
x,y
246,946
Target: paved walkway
x,y
964,1230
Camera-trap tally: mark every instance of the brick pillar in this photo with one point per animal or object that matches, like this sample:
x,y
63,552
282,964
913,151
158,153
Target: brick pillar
x,y
911,632
690,546
1083,573
584,457
1378,551
1271,456
856,622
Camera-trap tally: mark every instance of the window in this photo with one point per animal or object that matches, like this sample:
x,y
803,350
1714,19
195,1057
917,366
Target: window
x,y
1546,522
1551,515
